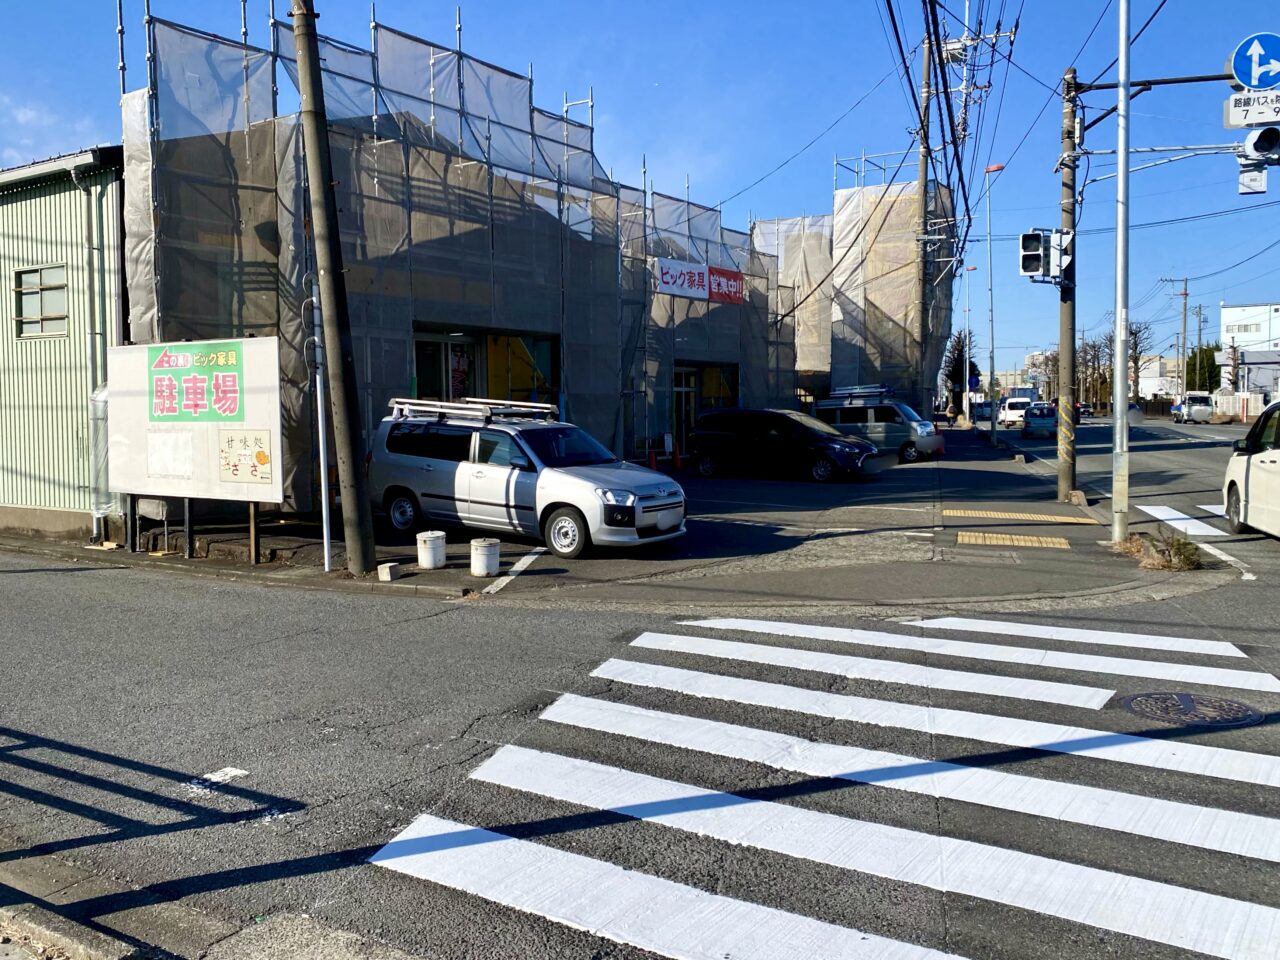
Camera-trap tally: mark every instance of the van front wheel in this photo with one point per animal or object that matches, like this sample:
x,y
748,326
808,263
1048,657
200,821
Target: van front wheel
x,y
908,453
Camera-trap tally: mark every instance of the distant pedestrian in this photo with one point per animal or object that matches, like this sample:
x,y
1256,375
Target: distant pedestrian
x,y
951,414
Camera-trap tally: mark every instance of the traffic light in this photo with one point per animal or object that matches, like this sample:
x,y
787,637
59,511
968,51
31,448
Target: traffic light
x,y
1060,251
1033,255
1262,146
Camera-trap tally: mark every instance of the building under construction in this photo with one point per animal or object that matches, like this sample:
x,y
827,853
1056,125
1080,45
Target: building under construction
x,y
487,252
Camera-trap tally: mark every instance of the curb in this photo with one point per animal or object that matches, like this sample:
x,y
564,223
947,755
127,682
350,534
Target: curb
x,y
76,940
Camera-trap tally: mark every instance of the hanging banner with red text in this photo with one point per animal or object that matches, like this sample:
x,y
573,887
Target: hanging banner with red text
x,y
726,285
681,279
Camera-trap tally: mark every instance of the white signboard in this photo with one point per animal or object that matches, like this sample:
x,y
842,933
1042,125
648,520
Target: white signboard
x,y
198,419
683,279
1252,108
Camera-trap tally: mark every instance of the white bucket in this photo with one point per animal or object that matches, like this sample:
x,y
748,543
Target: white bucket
x,y
431,549
484,557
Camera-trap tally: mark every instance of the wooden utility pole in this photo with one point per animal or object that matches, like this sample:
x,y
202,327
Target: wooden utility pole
x,y
922,252
1067,297
357,516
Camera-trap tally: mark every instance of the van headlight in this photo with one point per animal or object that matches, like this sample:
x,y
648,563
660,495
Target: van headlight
x,y
620,498
924,429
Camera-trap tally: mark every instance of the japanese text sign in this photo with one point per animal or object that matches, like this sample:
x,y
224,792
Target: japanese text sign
x,y
196,382
682,279
726,285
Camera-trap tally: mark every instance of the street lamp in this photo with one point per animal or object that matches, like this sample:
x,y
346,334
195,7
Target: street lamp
x,y
991,304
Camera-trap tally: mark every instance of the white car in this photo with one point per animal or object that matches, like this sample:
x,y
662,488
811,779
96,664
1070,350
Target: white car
x,y
1193,408
512,468
1251,488
1013,411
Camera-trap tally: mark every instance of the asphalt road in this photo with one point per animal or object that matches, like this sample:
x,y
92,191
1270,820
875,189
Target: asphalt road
x,y
583,783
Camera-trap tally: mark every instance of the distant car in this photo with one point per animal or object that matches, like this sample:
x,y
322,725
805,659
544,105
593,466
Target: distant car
x,y
1012,411
1086,410
882,421
1040,418
980,411
1193,408
1251,487
764,441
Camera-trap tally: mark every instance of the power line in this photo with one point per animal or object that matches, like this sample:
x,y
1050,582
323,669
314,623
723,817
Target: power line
x,y
1211,215
1133,39
1238,263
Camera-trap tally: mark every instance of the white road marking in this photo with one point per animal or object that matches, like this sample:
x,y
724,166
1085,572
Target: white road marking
x,y
661,916
1159,912
1154,669
883,671
1182,823
1180,521
1077,635
1238,765
206,783
516,569
1227,558
1216,509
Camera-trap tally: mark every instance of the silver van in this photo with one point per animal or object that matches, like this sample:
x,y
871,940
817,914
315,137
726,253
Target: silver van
x,y
512,467
874,415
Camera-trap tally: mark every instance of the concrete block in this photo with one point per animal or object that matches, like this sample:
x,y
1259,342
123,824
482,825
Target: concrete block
x,y
388,572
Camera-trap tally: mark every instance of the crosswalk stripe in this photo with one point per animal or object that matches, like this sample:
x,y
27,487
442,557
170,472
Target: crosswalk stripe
x,y
884,671
1154,669
1159,912
1194,758
1077,635
1176,822
1180,521
644,911
1215,509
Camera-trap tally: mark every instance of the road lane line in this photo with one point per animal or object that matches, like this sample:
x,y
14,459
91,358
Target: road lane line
x,y
625,906
1170,820
1180,521
1148,909
516,569
1030,656
883,671
1078,635
1236,765
1222,555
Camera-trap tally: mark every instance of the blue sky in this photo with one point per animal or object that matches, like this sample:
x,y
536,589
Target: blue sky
x,y
723,91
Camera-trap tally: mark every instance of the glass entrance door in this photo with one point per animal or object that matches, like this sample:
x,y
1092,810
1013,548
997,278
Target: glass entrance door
x,y
445,368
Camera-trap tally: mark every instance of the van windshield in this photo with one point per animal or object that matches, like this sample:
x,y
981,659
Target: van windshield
x,y
566,447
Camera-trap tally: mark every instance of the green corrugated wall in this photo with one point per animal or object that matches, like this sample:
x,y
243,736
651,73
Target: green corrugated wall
x,y
44,382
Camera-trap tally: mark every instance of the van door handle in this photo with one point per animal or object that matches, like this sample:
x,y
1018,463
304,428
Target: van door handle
x,y
477,473
427,466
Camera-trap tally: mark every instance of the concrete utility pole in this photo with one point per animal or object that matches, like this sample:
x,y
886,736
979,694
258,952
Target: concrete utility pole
x,y
1120,374
357,517
1200,384
991,308
1067,297
1182,378
922,252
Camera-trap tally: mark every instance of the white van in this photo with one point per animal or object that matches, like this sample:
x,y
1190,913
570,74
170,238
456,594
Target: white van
x,y
1013,411
1251,488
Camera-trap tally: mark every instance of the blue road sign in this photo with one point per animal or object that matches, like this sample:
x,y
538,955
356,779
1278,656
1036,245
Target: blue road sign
x,y
1256,62
975,382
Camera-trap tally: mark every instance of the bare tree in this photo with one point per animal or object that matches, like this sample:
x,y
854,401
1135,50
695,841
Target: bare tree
x,y
1140,339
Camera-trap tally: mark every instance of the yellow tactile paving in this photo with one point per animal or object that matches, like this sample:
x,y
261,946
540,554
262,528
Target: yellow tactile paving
x,y
975,538
1002,515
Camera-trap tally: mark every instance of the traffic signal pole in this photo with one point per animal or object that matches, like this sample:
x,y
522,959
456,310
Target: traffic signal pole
x,y
1067,297
1120,375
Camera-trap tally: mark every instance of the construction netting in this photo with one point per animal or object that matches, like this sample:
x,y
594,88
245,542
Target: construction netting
x,y
802,246
478,231
877,333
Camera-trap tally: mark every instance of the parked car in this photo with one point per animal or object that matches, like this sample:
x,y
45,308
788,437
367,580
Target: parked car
x,y
1013,410
513,468
758,441
1251,487
1040,418
875,416
1195,407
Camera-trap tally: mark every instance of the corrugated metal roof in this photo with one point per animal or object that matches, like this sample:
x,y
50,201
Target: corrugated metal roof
x,y
109,155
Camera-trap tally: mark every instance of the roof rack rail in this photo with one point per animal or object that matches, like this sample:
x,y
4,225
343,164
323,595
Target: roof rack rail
x,y
873,390
480,409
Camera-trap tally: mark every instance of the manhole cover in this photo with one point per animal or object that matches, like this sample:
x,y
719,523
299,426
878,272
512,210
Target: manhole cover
x,y
1192,710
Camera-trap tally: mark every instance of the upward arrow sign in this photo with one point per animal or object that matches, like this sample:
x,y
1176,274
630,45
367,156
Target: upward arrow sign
x,y
1256,53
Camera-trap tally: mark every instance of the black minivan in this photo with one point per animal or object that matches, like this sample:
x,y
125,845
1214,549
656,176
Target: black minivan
x,y
771,441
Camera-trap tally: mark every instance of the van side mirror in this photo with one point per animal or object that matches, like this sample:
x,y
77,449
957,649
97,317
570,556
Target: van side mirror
x,y
520,462
1240,446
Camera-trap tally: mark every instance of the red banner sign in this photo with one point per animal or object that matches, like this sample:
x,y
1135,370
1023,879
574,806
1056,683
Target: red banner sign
x,y
725,285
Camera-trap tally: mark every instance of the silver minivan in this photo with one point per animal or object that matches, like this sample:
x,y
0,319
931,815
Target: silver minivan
x,y
889,424
513,468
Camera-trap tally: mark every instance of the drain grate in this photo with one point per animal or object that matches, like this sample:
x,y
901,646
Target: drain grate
x,y
1192,710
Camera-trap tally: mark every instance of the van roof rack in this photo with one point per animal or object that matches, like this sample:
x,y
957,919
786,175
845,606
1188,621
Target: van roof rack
x,y
473,407
874,390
